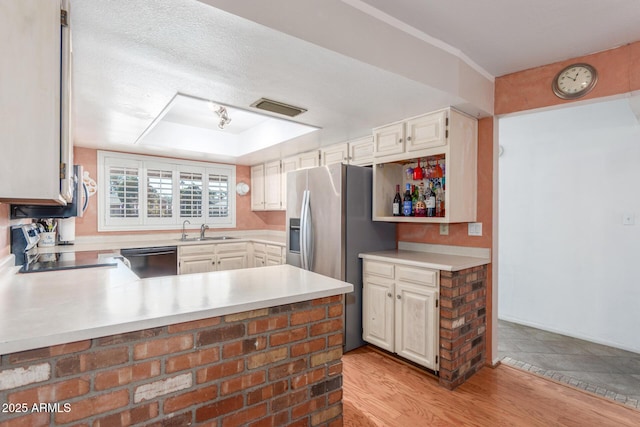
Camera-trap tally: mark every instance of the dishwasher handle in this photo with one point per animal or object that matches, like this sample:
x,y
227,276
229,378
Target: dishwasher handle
x,y
165,250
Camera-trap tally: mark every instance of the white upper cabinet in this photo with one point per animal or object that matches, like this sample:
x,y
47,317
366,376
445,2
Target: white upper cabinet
x,y
426,131
35,106
357,152
388,140
415,134
266,187
289,164
443,145
336,153
310,159
272,186
361,151
257,188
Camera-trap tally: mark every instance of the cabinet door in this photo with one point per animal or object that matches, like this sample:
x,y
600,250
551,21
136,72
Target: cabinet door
x,y
388,140
426,131
232,261
272,186
378,312
310,159
289,164
196,265
361,151
31,100
272,260
257,188
338,153
416,324
258,260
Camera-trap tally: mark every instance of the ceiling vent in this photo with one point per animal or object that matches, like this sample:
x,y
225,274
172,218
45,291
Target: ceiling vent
x,y
278,107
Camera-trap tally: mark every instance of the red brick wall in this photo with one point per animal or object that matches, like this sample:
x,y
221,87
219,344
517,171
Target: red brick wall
x,y
269,367
463,324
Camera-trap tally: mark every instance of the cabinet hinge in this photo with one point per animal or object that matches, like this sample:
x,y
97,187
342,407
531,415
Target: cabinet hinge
x,y
446,125
436,360
63,18
436,303
63,170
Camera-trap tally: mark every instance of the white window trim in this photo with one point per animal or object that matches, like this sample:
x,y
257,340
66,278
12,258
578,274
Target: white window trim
x,y
106,223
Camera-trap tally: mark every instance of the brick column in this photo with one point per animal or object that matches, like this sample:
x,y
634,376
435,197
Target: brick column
x,y
275,366
462,324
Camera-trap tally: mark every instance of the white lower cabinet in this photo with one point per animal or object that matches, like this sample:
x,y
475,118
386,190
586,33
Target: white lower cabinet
x,y
400,310
378,312
265,254
212,257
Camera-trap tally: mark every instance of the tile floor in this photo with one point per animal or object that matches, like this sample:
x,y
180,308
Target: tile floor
x,y
607,371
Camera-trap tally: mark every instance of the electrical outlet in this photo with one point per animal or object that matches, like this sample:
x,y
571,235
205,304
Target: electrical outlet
x,y
475,229
444,229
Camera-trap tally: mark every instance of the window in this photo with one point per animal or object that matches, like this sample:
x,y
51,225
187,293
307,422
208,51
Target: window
x,y
218,196
190,195
143,192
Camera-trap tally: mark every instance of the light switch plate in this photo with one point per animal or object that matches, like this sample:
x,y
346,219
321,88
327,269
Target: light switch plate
x,y
475,229
444,229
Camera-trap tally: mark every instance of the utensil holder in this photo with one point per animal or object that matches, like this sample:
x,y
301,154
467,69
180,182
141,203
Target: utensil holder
x,y
47,238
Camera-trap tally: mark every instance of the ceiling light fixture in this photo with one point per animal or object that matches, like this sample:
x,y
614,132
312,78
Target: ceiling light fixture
x,y
223,114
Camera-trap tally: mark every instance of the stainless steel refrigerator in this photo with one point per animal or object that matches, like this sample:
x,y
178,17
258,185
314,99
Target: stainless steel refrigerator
x,y
329,224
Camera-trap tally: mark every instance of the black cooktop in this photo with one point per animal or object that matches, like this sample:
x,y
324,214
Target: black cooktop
x,y
68,260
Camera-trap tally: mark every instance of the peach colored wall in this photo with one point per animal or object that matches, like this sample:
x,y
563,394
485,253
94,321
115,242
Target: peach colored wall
x,y
618,72
245,218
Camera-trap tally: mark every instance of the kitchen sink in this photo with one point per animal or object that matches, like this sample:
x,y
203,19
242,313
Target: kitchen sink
x,y
200,239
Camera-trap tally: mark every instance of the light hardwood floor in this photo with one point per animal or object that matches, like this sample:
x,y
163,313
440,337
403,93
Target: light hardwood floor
x,y
379,391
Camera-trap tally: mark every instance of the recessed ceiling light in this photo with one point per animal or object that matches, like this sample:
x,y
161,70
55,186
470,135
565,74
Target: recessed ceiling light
x,y
202,125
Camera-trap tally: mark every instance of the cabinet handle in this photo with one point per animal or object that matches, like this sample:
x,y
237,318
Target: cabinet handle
x,y
389,295
408,138
399,140
398,296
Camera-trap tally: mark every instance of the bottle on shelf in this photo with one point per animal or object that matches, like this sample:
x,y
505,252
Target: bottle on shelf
x,y
407,207
439,199
397,202
421,206
430,198
414,199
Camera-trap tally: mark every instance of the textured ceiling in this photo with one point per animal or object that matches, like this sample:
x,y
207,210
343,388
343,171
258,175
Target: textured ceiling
x,y
132,56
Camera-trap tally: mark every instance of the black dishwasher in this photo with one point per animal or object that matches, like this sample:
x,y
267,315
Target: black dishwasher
x,y
153,262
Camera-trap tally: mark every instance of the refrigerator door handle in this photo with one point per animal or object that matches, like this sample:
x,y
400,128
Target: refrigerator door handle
x,y
308,231
305,232
303,226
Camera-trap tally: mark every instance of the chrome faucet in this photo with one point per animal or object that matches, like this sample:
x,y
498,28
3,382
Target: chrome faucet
x,y
184,234
203,228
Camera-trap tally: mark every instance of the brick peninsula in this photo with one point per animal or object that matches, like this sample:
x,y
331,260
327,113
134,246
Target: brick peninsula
x,y
101,347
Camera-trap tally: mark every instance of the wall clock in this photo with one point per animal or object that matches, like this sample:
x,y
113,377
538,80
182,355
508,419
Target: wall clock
x,y
575,81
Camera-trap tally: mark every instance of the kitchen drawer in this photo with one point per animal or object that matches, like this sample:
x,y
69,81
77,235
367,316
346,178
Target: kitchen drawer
x,y
274,250
376,268
232,247
259,248
196,249
417,275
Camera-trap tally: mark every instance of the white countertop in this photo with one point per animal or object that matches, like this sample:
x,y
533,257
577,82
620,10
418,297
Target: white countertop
x,y
434,260
44,309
